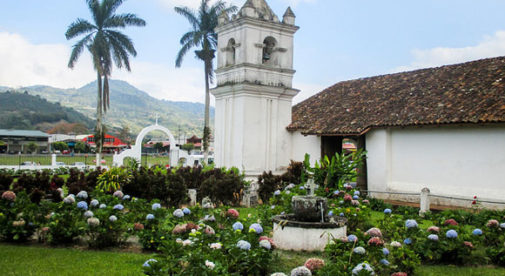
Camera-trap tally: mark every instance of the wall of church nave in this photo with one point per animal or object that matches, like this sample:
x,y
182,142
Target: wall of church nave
x,y
450,161
300,145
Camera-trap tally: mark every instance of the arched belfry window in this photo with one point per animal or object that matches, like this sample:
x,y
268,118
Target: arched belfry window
x,y
268,50
230,52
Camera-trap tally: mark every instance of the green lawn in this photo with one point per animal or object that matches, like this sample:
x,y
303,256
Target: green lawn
x,y
36,260
33,260
14,160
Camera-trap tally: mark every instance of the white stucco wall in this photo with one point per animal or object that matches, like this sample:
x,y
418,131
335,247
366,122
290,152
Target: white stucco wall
x,y
300,145
451,161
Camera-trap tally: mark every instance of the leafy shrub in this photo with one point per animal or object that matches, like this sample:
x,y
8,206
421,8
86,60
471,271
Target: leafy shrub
x,y
65,223
17,218
223,186
113,179
268,183
176,190
5,180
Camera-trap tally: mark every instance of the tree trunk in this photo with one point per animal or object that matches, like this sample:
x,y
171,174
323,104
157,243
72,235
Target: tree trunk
x,y
206,129
98,135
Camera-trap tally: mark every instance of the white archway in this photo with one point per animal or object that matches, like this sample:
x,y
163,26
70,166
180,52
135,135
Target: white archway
x,y
136,151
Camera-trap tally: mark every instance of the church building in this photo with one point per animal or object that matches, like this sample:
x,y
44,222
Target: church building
x,y
441,128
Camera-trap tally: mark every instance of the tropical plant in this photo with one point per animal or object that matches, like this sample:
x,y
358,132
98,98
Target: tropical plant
x,y
203,35
113,179
106,46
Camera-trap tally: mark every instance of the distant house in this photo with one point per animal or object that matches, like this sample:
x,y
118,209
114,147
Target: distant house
x,y
150,147
110,144
197,142
14,141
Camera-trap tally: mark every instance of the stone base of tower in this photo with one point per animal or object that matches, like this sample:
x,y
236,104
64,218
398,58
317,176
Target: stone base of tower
x,y
250,123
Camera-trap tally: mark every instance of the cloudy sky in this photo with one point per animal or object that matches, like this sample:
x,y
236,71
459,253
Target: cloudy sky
x,y
337,40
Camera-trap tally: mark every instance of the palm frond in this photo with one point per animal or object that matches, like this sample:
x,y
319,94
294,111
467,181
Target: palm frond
x,y
79,27
123,20
190,16
94,8
77,50
182,52
120,55
123,40
111,7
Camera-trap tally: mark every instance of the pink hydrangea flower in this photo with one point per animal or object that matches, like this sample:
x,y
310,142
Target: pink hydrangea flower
x,y
9,195
399,274
375,241
232,213
451,222
492,223
179,229
468,244
268,239
347,197
374,232
314,264
433,229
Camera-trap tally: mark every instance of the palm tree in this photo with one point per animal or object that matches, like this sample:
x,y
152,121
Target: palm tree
x,y
203,36
107,46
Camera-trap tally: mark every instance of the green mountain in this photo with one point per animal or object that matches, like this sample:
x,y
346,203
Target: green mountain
x,y
129,106
20,110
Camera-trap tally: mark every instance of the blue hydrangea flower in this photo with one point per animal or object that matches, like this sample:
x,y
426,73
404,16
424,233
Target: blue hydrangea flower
x,y
385,251
186,211
330,213
407,241
352,238
238,226
384,262
477,232
150,216
387,211
126,197
256,227
156,206
341,202
355,197
359,250
277,192
88,214
178,213
148,262
82,205
94,203
72,195
82,194
341,214
244,245
102,206
336,192
451,234
112,218
118,207
502,225
357,193
302,188
363,266
433,237
411,223
272,207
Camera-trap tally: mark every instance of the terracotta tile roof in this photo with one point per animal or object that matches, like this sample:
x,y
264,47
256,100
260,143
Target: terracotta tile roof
x,y
471,92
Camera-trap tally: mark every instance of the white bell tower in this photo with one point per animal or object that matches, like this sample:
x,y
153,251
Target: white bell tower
x,y
254,89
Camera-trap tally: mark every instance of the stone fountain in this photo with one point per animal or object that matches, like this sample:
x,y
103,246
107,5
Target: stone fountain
x,y
308,228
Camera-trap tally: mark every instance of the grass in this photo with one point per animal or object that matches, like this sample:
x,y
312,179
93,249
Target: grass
x,y
34,260
45,160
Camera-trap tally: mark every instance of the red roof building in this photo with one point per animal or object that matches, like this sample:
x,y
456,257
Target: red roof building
x,y
110,142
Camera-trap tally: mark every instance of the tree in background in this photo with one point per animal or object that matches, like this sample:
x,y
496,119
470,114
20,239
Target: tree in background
x,y
188,147
32,147
81,147
106,45
158,147
59,146
124,135
203,35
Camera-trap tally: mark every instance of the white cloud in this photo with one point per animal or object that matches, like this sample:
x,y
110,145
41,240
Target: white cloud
x,y
25,64
490,46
